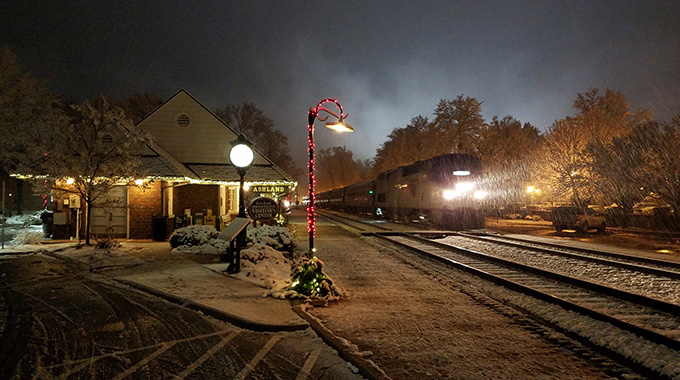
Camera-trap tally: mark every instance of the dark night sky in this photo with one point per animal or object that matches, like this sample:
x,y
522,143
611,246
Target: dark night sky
x,y
385,61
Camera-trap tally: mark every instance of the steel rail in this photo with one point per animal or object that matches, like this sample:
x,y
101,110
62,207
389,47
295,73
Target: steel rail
x,y
634,302
621,256
621,295
531,245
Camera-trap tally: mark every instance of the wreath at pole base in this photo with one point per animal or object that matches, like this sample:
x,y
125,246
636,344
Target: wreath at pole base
x,y
310,281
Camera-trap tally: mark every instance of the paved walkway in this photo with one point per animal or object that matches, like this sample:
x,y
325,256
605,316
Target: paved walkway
x,y
206,288
151,267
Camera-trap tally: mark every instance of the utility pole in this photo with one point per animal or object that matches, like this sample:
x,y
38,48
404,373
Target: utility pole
x,y
3,214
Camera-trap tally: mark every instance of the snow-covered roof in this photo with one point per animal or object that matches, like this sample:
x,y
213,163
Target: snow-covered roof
x,y
192,142
227,173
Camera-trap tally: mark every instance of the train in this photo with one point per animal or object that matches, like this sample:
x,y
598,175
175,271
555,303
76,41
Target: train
x,y
445,191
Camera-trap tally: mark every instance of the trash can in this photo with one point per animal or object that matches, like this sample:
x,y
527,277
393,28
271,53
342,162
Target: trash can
x,y
47,219
159,227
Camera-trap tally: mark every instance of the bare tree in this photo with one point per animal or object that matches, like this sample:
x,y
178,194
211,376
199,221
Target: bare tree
x,y
337,168
97,146
620,174
406,145
604,117
456,128
138,105
249,120
568,164
565,169
652,154
28,109
459,121
508,149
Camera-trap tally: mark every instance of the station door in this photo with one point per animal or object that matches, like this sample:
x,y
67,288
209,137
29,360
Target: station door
x,y
109,214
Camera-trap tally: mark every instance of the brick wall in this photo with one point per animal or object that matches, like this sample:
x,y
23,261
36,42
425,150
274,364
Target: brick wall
x,y
144,202
197,198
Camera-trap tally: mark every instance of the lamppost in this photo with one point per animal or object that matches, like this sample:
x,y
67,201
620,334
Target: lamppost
x,y
241,156
533,191
338,126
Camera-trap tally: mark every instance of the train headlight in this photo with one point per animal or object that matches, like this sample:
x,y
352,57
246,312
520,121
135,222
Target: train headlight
x,y
449,194
480,194
464,187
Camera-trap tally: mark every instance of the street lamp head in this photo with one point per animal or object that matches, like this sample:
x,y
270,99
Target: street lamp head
x,y
241,153
339,126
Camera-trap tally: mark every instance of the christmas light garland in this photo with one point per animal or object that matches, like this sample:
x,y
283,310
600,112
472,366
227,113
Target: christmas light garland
x,y
311,165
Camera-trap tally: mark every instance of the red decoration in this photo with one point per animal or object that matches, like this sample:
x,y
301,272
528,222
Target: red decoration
x,y
311,208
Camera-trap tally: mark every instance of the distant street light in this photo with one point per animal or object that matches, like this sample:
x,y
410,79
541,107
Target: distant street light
x,y
241,156
338,126
533,192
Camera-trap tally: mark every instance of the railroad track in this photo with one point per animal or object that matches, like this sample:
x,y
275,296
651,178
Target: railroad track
x,y
655,321
560,249
651,278
370,225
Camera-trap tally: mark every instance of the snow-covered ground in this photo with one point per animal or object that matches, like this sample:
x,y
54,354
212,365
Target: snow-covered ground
x,y
13,230
261,263
28,224
422,320
419,320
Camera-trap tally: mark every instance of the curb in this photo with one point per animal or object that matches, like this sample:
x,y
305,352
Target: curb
x,y
43,251
5,253
222,315
367,368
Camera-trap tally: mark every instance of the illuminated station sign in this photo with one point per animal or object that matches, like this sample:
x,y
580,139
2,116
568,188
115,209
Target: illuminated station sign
x,y
270,189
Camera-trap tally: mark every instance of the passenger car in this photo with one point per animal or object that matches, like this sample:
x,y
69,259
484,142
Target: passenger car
x,y
443,190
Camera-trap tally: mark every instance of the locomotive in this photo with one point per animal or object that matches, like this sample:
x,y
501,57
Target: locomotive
x,y
444,190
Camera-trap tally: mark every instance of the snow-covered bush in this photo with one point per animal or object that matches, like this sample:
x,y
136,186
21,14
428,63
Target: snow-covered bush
x,y
279,238
193,236
27,237
212,247
512,216
266,267
106,242
26,219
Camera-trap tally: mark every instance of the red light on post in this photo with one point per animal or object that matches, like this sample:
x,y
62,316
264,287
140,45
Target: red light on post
x,y
337,126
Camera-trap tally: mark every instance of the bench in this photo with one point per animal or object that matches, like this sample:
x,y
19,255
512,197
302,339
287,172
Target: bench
x,y
235,234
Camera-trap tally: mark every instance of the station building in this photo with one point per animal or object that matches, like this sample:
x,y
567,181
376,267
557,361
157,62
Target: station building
x,y
188,179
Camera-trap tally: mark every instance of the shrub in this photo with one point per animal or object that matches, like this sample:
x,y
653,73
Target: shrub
x,y
106,242
193,236
27,237
279,238
310,280
26,219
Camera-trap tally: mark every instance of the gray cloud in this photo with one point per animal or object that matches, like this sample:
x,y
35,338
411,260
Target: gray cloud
x,y
386,61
